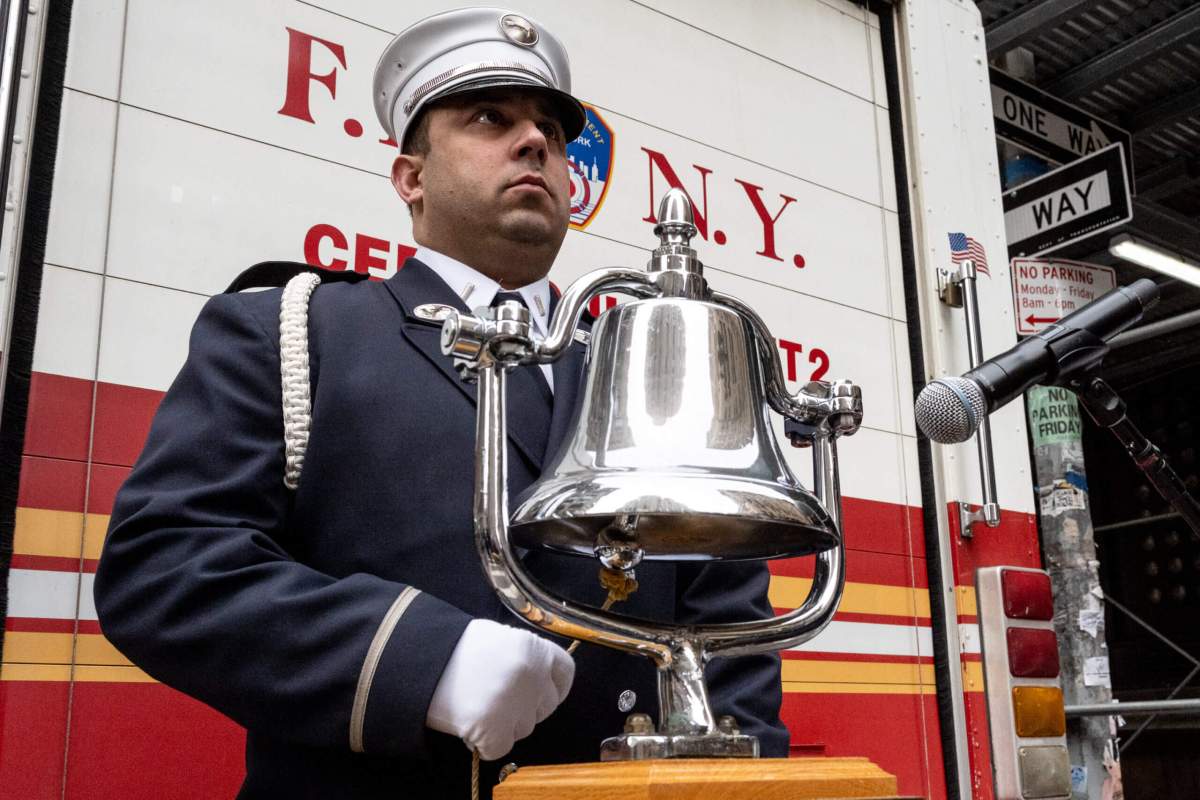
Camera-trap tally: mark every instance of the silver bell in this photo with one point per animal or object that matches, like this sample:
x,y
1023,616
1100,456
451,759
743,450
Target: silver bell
x,y
671,452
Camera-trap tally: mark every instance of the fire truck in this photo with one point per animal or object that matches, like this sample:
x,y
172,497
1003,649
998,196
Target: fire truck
x,y
157,148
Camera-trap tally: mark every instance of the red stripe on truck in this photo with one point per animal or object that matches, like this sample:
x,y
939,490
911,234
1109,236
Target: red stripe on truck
x,y
896,731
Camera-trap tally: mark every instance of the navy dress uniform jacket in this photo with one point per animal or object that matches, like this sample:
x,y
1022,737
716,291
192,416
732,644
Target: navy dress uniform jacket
x,y
264,603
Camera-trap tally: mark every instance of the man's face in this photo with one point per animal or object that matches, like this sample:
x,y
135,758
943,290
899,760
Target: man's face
x,y
496,167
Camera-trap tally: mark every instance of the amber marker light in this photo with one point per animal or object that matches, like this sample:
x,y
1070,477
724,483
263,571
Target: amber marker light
x,y
1038,711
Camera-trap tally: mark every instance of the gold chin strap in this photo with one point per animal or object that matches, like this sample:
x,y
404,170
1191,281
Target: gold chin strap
x,y
620,584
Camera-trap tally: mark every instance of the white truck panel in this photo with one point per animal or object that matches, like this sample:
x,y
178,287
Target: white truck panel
x,y
168,44
94,50
955,171
70,303
177,170
807,37
78,226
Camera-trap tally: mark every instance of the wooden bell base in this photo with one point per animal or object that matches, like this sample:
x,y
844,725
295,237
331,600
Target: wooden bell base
x,y
702,779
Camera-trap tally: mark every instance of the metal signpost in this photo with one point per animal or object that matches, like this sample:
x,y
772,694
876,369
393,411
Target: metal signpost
x,y
1046,289
1080,199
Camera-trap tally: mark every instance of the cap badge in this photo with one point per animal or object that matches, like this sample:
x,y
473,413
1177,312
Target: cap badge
x,y
519,30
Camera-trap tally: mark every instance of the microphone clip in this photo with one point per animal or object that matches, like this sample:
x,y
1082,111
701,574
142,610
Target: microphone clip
x,y
1078,353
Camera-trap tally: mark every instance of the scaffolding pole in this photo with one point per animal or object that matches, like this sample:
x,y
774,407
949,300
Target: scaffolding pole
x,y
1135,709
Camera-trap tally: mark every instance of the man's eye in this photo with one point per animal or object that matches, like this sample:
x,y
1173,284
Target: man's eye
x,y
551,131
489,116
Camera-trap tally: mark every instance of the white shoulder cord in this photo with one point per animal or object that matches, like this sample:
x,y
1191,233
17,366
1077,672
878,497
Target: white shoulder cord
x,y
293,371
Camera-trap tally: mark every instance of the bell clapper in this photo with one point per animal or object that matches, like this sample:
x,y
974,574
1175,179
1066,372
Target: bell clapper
x,y
623,585
619,553
620,583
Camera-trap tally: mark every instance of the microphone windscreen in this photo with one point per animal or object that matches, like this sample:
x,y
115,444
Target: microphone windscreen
x,y
949,410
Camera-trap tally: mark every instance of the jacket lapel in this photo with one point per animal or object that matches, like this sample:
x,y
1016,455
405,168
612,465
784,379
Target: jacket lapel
x,y
416,284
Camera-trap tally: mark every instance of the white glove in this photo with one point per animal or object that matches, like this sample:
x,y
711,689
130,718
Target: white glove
x,y
499,683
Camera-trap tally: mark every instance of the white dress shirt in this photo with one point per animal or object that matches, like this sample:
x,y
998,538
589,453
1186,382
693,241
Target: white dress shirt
x,y
476,289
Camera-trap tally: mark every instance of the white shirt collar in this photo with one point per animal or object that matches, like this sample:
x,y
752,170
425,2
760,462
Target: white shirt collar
x,y
476,289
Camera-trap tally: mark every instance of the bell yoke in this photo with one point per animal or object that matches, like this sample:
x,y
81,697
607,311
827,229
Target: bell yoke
x,y
672,457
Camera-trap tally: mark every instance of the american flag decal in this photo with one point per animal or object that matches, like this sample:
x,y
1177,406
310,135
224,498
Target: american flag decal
x,y
963,248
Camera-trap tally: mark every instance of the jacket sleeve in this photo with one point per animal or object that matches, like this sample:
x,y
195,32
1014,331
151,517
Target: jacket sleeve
x,y
196,585
749,688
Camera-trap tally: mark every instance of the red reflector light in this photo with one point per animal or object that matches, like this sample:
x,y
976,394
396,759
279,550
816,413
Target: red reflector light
x,y
1026,595
1032,653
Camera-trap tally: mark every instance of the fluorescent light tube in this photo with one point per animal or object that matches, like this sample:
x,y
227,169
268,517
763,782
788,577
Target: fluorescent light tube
x,y
1129,249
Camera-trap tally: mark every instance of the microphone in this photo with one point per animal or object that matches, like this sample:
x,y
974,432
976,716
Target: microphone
x,y
950,410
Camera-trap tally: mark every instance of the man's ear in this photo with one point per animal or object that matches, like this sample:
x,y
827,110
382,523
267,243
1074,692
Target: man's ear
x,y
406,178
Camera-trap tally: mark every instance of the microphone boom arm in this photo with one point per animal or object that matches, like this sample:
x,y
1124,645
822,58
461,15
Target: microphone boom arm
x,y
1107,410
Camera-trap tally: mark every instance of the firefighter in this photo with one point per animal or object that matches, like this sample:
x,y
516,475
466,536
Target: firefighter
x,y
346,622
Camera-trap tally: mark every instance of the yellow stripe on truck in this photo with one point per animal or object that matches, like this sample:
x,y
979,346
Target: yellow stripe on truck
x,y
972,673
46,657
857,688
964,600
858,598
23,647
62,673
796,670
41,532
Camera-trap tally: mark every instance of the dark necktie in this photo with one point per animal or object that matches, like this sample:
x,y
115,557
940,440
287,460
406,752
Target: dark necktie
x,y
534,370
531,403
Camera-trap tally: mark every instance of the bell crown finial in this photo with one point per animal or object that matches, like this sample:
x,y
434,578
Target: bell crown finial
x,y
676,222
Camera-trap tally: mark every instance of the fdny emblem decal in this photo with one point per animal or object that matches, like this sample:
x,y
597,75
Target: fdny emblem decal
x,y
590,158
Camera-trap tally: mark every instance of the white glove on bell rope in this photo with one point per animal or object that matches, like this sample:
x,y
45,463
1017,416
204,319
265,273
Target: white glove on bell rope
x,y
498,684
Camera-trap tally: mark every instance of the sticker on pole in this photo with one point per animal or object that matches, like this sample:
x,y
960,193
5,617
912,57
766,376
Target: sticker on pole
x,y
1047,289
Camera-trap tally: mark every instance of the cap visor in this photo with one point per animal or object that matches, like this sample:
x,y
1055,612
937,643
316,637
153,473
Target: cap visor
x,y
570,112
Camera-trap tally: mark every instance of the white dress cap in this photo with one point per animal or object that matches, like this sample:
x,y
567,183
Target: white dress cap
x,y
467,49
